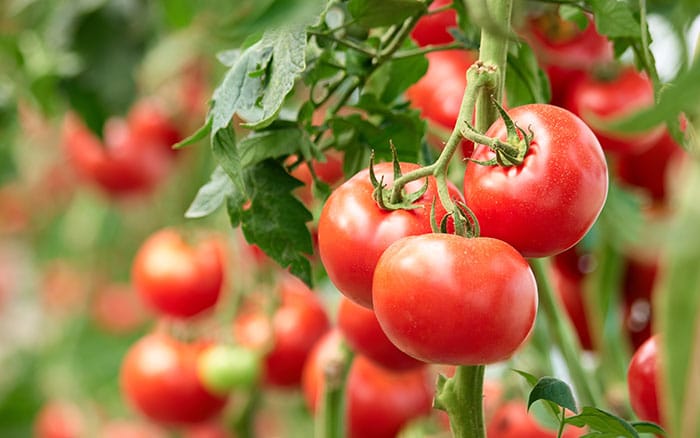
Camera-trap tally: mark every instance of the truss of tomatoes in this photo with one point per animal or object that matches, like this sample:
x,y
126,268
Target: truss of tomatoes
x,y
443,298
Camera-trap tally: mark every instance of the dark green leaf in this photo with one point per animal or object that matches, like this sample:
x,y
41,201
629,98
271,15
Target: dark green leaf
x,y
223,146
372,13
614,18
525,81
600,421
211,195
647,427
198,135
392,78
554,390
273,143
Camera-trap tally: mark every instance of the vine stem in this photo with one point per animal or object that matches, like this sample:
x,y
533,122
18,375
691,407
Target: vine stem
x,y
464,407
563,335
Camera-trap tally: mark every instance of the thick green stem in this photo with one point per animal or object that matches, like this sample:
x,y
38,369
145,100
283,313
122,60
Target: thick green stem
x,y
331,415
462,398
564,336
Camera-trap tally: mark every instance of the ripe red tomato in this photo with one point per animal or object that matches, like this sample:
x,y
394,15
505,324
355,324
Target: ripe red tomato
x,y
546,204
434,28
379,402
363,333
441,298
123,165
150,123
353,231
290,334
513,421
159,378
598,100
642,381
651,170
175,278
59,419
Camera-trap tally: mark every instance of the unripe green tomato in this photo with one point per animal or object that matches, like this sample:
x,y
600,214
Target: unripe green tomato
x,y
223,368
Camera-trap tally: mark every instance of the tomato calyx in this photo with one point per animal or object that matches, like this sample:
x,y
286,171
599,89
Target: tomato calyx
x,y
508,153
395,198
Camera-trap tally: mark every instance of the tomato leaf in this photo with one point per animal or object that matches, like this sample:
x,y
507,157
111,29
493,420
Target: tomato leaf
x,y
647,427
525,80
274,143
554,390
614,18
531,380
223,147
211,195
679,310
275,220
372,13
199,134
391,79
600,421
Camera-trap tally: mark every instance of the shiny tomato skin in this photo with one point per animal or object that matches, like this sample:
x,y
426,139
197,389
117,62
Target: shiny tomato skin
x,y
159,378
438,94
546,204
513,421
175,278
379,402
434,28
353,231
363,333
441,298
603,100
296,325
643,380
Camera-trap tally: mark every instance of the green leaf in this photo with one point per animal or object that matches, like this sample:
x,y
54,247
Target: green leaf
x,y
574,14
680,95
600,421
647,427
211,195
614,18
223,146
259,80
525,80
554,390
276,219
198,135
392,78
679,309
373,13
274,143
531,380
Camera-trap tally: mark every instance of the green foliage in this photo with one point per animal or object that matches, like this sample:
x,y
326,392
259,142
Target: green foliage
x,y
525,80
371,13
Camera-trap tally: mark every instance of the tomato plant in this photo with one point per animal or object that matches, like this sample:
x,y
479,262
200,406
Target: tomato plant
x,y
564,165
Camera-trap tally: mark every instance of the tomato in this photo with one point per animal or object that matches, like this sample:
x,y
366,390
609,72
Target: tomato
x,y
159,378
651,170
379,402
434,28
288,336
329,172
643,380
441,298
565,51
176,279
513,421
546,204
123,165
599,100
150,123
222,368
117,309
638,283
59,419
353,231
363,333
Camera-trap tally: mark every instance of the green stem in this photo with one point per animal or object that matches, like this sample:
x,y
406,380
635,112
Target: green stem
x,y
331,413
560,431
402,54
343,42
564,336
462,398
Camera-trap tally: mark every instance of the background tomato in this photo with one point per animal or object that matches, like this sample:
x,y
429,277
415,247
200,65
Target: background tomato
x,y
159,378
546,204
175,278
440,298
513,421
643,380
59,419
434,28
353,231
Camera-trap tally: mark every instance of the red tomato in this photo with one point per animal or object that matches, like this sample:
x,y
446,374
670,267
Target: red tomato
x,y
289,336
441,298
117,309
353,231
598,100
123,165
642,381
329,172
650,170
379,402
175,278
546,204
59,419
512,421
434,28
150,123
159,378
363,333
